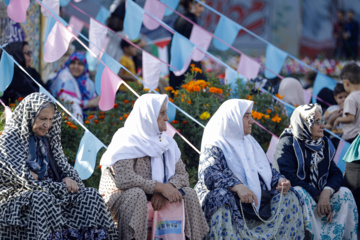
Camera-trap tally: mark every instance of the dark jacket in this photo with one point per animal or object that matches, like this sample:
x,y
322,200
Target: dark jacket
x,y
293,160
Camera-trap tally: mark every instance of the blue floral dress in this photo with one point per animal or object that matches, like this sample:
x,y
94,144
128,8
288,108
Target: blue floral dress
x,y
222,206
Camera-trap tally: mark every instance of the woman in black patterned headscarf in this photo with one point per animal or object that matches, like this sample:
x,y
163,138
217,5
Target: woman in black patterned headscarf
x,y
41,195
305,157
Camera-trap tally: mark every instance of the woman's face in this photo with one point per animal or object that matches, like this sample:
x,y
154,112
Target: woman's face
x,y
317,130
76,68
162,118
27,56
247,122
43,121
198,9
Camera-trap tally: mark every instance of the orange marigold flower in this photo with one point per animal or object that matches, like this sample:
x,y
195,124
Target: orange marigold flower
x,y
114,123
192,65
212,90
276,119
71,102
120,118
91,117
182,100
268,110
102,113
188,102
219,91
20,99
126,115
66,118
267,116
99,167
196,89
171,100
279,96
96,121
189,88
101,117
63,99
73,126
168,88
146,89
174,121
178,130
87,122
249,97
12,105
116,105
133,101
156,89
126,101
185,122
68,123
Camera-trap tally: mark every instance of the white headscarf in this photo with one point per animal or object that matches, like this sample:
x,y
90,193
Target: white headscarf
x,y
292,91
141,137
243,154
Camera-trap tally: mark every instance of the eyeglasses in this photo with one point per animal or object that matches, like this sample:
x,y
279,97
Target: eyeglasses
x,y
320,121
29,53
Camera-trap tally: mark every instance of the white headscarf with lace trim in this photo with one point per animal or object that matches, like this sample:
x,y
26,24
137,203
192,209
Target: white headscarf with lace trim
x,y
243,154
141,137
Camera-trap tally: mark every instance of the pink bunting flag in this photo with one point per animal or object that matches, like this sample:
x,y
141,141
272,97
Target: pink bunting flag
x,y
110,83
155,8
338,151
202,38
16,10
170,130
54,5
248,67
272,148
307,96
76,24
151,70
57,43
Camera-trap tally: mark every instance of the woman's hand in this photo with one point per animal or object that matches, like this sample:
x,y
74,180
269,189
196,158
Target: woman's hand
x,y
157,201
285,183
35,176
93,102
71,185
168,191
245,194
323,206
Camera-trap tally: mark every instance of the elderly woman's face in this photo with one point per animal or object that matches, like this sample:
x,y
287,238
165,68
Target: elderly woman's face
x,y
247,122
317,130
162,118
43,121
76,68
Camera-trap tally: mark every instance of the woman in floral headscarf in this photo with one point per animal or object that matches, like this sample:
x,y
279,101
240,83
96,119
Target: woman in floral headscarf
x,y
73,85
305,157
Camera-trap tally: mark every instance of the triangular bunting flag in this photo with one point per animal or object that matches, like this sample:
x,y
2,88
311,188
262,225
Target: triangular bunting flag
x,y
227,30
110,83
248,67
272,148
86,155
133,19
172,4
6,71
201,38
274,61
16,10
170,130
109,62
57,43
181,50
157,9
151,70
322,81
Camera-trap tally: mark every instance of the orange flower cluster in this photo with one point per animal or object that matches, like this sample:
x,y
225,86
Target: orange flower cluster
x,y
185,122
99,167
268,110
195,69
73,126
91,117
276,118
171,100
20,99
12,105
116,105
87,122
96,121
258,115
195,86
215,90
101,117
174,121
68,123
249,97
279,96
120,118
126,115
126,101
168,89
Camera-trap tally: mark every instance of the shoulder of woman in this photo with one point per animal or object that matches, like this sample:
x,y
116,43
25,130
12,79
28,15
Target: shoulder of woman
x,y
65,75
286,139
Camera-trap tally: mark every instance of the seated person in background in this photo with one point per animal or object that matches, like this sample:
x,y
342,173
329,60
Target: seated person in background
x,y
127,61
73,85
234,172
143,164
41,195
309,78
305,157
335,111
292,91
21,84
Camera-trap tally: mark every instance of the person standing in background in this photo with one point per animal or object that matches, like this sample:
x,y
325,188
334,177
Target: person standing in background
x,y
352,36
338,33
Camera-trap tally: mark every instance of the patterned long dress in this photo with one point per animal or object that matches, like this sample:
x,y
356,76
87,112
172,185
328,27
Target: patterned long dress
x,y
124,187
222,206
38,210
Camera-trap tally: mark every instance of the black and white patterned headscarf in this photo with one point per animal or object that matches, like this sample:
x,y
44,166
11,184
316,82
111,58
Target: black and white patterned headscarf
x,y
301,122
15,177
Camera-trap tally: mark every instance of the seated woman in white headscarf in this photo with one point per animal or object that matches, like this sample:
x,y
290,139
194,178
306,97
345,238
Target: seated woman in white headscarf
x,y
235,176
305,156
143,164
